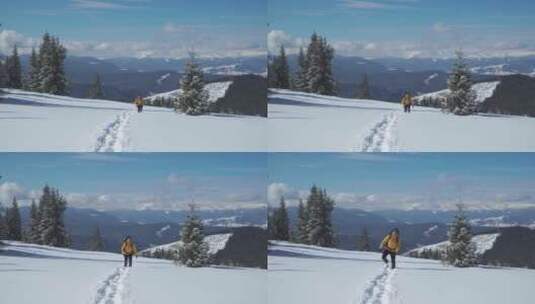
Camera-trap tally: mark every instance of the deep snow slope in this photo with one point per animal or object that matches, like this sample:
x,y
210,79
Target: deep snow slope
x,y
46,275
42,122
304,122
307,274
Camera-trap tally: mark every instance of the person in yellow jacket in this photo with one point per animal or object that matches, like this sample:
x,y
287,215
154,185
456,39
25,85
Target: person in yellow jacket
x,y
390,246
406,102
128,249
138,101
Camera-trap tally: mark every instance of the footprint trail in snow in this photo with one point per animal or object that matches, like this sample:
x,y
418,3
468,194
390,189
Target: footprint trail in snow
x,y
113,136
381,135
112,289
380,290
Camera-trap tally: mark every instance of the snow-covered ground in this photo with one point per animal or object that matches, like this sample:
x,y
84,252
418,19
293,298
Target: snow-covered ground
x,y
215,243
41,122
302,122
482,242
215,91
306,274
41,274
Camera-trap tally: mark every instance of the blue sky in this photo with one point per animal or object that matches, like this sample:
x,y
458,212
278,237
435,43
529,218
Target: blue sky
x,y
406,180
405,28
135,28
136,181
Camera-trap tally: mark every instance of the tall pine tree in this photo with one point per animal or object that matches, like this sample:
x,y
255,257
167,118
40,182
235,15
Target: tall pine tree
x,y
280,71
13,68
14,224
52,55
280,229
33,232
193,252
319,56
299,80
194,98
461,98
460,251
33,74
319,226
51,225
301,234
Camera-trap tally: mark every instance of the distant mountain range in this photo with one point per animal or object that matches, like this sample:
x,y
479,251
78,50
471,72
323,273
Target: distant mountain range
x,y
418,227
148,227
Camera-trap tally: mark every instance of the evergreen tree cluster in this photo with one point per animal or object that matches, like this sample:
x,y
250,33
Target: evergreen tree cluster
x,y
193,252
194,98
161,102
429,101
10,223
460,251
461,99
314,224
47,225
161,253
46,72
427,253
314,74
278,223
279,71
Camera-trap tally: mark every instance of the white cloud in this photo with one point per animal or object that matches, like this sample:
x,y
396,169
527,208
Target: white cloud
x,y
277,190
8,190
96,5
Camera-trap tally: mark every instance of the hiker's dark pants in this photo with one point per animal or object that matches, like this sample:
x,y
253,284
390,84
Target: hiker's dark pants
x,y
407,108
392,257
127,260
139,108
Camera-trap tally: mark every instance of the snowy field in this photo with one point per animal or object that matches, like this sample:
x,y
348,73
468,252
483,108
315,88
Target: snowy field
x,y
41,274
306,274
41,122
304,122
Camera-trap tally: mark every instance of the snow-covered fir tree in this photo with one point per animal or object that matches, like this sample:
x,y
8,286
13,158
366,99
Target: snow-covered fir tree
x,y
364,240
96,88
319,56
460,251
279,72
299,80
14,223
279,223
3,223
319,225
363,89
193,252
461,98
96,243
3,75
51,226
301,233
33,73
33,232
13,68
194,98
52,55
